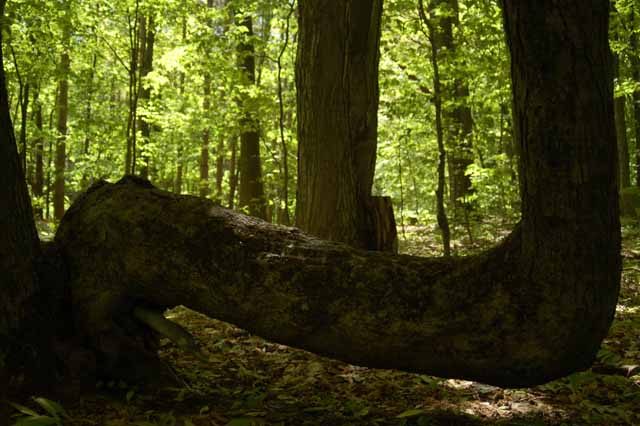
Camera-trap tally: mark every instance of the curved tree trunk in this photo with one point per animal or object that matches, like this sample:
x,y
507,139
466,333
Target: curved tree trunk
x,y
533,309
530,310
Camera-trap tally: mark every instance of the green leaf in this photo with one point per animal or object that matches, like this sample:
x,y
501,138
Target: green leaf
x,y
24,410
411,413
51,407
38,421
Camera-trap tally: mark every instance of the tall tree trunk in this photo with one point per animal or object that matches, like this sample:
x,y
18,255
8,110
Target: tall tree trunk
x,y
88,120
133,92
283,209
443,222
19,248
147,41
337,82
251,191
457,120
624,174
24,108
62,111
206,135
179,160
634,58
38,182
206,131
233,172
219,168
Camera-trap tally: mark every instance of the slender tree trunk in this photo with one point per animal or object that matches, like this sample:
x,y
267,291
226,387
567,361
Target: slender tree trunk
x,y
24,108
443,222
147,41
624,174
204,147
457,119
219,168
179,160
251,191
178,183
50,159
88,119
62,111
206,131
337,82
233,174
634,58
283,210
38,182
133,93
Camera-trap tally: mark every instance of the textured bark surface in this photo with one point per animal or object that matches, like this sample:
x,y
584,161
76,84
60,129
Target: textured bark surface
x,y
478,318
337,90
251,189
22,332
564,125
19,245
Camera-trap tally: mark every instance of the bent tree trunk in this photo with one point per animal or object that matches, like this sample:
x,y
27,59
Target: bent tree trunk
x,y
530,310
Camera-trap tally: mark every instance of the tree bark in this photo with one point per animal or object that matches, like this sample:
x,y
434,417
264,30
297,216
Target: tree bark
x,y
24,108
20,343
135,40
457,120
337,90
147,39
443,222
635,96
220,154
619,105
62,111
38,182
204,189
251,191
233,172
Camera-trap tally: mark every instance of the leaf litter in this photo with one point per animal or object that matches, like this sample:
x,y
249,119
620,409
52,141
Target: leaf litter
x,y
248,381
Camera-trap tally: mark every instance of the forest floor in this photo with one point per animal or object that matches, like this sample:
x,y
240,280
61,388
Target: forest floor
x,y
249,381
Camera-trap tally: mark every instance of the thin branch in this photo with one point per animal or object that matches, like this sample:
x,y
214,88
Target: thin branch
x,y
115,53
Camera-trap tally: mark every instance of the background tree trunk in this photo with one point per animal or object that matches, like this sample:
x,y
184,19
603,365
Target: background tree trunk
x,y
38,183
457,120
619,105
634,59
337,82
233,172
251,191
62,112
443,221
147,38
204,147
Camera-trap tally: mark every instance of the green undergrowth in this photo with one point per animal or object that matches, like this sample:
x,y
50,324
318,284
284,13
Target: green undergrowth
x,y
249,381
